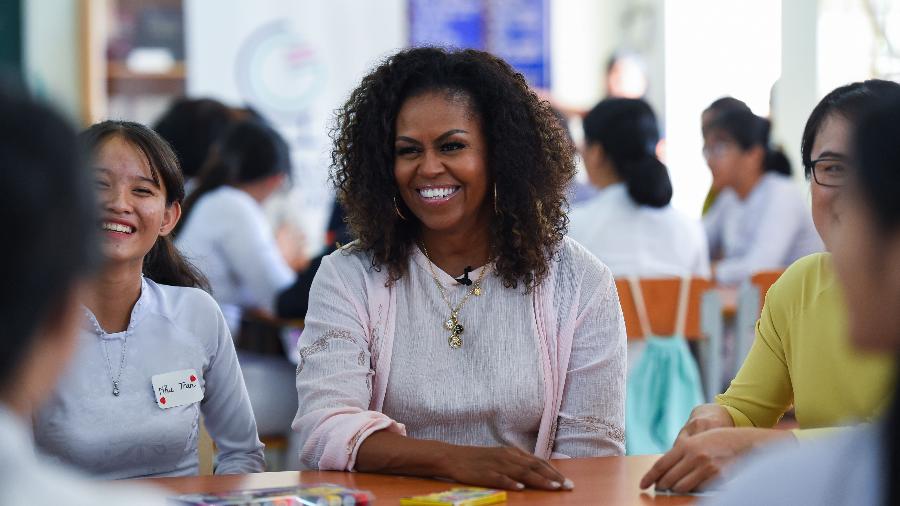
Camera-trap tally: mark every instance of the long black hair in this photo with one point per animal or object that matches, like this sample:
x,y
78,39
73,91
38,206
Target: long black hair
x,y
628,132
191,126
163,264
247,151
49,220
878,155
748,131
847,101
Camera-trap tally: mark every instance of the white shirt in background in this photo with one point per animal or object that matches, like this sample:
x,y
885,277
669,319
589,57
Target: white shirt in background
x,y
635,240
229,239
25,480
844,469
171,329
768,230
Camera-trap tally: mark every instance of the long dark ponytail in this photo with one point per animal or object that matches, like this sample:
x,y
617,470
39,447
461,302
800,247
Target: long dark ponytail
x,y
163,264
249,150
628,132
749,131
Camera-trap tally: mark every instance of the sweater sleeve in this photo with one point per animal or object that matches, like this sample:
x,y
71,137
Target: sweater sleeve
x,y
334,375
592,415
226,409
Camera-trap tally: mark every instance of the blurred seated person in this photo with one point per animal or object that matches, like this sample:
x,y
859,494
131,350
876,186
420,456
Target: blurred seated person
x,y
227,236
715,109
859,466
760,220
630,225
226,233
48,210
802,356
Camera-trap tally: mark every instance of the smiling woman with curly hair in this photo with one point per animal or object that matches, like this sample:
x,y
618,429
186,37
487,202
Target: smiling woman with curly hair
x,y
413,361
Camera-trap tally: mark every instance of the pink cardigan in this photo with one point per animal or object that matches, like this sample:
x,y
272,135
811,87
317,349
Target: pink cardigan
x,y
336,433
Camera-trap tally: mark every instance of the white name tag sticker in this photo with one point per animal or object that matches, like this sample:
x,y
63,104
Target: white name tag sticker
x,y
177,388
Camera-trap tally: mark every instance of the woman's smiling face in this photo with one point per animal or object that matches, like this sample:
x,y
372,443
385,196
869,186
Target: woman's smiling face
x,y
440,162
132,201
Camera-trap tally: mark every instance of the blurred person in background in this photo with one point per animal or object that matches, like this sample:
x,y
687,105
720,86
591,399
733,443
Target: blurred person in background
x,y
630,225
716,108
632,228
760,220
250,267
626,75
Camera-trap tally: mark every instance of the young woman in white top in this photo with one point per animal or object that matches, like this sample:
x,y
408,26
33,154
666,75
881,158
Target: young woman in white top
x,y
154,353
48,209
759,220
630,225
225,232
859,466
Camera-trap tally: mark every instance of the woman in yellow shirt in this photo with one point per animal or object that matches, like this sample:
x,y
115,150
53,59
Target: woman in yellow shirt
x,y
801,355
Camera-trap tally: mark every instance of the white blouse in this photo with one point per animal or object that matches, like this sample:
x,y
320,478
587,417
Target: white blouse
x,y
171,329
636,240
229,239
26,480
768,230
479,392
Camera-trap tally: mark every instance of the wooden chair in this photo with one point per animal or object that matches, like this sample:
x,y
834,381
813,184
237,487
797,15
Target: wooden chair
x,y
750,300
207,450
702,319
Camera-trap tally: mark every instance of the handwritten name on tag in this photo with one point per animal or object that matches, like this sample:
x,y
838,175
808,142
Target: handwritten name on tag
x,y
177,388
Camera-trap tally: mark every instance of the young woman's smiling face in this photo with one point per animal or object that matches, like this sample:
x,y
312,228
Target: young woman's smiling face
x,y
132,201
440,162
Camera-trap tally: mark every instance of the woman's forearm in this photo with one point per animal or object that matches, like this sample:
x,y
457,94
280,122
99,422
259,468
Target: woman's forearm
x,y
387,452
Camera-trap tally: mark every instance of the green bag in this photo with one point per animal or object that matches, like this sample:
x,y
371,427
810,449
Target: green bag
x,y
663,386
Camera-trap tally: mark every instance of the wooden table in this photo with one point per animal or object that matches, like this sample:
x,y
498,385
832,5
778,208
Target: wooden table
x,y
598,481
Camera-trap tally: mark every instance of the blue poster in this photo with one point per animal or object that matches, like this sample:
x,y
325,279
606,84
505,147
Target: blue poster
x,y
515,30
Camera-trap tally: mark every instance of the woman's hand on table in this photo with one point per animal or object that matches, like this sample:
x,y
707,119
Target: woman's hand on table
x,y
706,417
494,467
504,467
696,460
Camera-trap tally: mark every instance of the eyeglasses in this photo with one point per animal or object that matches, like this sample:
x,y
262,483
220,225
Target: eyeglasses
x,y
830,172
716,149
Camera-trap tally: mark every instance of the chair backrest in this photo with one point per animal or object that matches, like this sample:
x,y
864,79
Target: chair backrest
x,y
763,280
207,450
661,299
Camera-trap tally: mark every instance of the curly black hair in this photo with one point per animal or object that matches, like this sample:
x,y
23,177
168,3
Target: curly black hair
x,y
529,158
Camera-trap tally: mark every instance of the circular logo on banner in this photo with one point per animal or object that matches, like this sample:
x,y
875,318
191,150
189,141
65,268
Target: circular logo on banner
x,y
278,71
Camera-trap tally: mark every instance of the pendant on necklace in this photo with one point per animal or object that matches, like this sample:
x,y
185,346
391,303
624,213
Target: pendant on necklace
x,y
116,388
456,329
476,291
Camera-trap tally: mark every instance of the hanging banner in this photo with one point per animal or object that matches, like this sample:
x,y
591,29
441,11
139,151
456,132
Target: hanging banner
x,y
516,30
296,63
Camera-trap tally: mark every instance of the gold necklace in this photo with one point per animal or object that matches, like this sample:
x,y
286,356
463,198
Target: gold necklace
x,y
452,323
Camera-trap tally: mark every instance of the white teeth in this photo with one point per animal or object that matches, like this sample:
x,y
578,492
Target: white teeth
x,y
117,227
437,193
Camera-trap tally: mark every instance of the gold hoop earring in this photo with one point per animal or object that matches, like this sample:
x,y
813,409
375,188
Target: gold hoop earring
x,y
496,207
397,209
